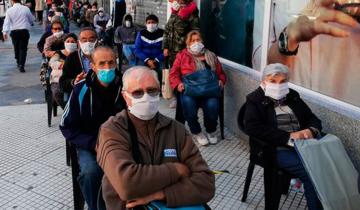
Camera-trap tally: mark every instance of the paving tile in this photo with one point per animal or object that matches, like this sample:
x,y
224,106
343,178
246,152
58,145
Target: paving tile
x,y
55,159
57,188
33,201
23,146
31,175
54,138
9,192
10,162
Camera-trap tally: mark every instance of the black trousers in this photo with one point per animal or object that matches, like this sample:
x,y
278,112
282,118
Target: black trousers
x,y
39,16
120,10
20,40
1,26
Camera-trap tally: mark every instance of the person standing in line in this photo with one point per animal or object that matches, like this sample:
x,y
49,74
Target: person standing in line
x,y
4,5
18,20
39,9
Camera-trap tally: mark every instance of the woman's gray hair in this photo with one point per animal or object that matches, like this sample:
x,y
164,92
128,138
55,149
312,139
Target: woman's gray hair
x,y
274,69
140,72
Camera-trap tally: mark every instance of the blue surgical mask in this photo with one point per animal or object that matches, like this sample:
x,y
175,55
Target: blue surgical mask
x,y
106,75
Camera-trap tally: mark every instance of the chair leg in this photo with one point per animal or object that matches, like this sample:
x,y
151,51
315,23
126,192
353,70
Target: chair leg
x,y
272,191
249,174
55,106
68,153
221,115
179,115
78,197
49,103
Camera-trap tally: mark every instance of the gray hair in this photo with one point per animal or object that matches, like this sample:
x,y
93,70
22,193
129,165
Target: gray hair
x,y
274,69
141,70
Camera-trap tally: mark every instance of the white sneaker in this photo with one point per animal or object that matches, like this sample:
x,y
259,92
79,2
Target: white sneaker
x,y
201,139
212,138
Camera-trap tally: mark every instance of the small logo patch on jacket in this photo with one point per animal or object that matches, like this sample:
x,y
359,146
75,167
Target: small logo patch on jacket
x,y
170,153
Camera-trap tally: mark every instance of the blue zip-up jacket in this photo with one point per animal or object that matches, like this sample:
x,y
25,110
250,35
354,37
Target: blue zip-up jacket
x,y
149,45
89,106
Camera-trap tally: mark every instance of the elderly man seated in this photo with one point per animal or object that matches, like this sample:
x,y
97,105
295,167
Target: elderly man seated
x,y
278,116
172,169
91,103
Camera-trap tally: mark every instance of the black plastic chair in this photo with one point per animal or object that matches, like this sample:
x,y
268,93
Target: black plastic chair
x,y
45,72
179,115
276,181
51,104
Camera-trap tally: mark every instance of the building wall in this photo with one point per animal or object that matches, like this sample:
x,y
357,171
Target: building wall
x,y
144,8
240,84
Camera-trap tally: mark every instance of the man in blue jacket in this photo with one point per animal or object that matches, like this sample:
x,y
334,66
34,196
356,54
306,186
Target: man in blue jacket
x,y
148,44
91,103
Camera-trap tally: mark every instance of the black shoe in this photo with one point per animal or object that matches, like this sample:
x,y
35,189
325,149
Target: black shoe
x,y
21,69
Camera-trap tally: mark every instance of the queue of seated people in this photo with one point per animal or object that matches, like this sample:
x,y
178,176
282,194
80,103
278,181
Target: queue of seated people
x,y
123,142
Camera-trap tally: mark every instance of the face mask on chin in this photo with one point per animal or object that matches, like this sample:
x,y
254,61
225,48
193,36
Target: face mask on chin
x,y
87,47
276,91
144,108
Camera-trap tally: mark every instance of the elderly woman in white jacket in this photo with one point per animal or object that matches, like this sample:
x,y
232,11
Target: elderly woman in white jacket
x,y
56,63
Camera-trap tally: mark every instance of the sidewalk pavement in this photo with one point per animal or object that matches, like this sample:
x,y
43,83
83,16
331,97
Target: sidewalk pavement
x,y
34,174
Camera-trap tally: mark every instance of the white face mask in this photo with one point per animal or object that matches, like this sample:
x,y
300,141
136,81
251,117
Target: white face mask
x,y
70,47
144,108
101,14
58,34
128,24
197,48
151,27
276,91
88,47
175,6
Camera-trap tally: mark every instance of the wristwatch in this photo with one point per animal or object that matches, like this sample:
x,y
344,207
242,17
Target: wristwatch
x,y
283,44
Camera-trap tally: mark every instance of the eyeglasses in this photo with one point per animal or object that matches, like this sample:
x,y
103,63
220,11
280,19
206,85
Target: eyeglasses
x,y
140,93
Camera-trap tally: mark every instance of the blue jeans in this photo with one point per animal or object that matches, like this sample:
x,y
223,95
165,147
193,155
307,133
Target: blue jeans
x,y
89,179
289,161
210,107
128,50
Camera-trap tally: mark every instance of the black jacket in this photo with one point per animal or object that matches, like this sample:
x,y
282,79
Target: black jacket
x,y
41,42
72,67
260,117
89,106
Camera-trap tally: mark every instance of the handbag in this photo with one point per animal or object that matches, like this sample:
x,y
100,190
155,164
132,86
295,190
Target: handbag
x,y
155,205
332,172
202,83
166,91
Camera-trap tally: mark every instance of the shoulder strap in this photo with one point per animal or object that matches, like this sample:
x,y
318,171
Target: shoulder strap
x,y
134,142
